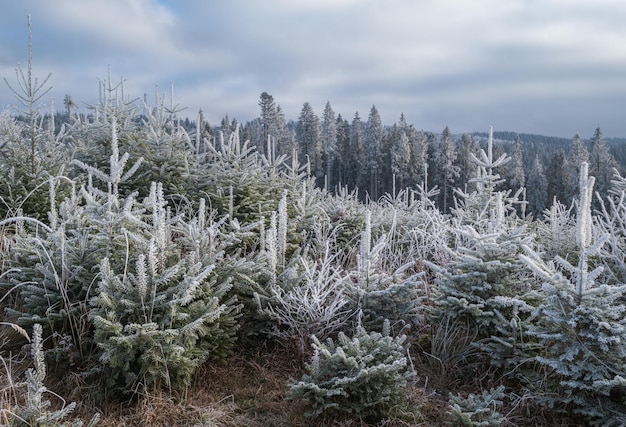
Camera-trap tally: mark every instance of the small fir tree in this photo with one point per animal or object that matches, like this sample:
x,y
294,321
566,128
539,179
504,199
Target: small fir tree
x,y
35,411
484,282
157,322
379,294
477,410
581,327
364,376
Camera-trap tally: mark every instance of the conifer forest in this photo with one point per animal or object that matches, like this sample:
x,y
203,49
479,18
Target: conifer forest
x,y
160,270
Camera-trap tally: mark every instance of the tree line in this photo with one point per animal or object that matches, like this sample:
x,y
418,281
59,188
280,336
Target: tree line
x,y
374,159
364,155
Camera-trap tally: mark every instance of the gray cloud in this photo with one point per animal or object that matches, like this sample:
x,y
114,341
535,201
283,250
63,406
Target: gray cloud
x,y
549,66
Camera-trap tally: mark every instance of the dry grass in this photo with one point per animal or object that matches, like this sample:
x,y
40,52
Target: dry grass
x,y
244,391
13,364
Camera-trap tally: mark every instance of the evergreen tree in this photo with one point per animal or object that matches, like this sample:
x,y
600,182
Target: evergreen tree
x,y
308,137
343,161
383,291
480,203
59,263
477,410
556,177
517,177
372,143
269,120
601,162
273,128
156,321
467,167
70,107
577,154
358,170
419,158
35,153
483,283
446,168
329,144
400,158
225,127
29,94
483,286
283,140
537,188
580,325
364,375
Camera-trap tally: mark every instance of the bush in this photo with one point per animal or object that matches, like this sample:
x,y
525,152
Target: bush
x,y
364,376
476,410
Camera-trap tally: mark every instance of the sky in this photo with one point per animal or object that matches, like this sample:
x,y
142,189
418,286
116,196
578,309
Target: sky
x,y
551,67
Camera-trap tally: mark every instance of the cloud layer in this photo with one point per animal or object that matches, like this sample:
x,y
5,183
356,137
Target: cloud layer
x,y
555,67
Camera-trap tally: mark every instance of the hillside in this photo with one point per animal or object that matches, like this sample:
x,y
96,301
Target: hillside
x,y
166,277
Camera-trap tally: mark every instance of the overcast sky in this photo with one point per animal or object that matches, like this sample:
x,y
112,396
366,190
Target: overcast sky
x,y
553,67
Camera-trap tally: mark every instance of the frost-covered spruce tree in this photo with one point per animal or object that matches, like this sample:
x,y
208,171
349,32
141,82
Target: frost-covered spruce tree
x,y
364,375
157,320
476,409
484,283
54,265
380,294
581,327
30,150
53,270
35,411
476,206
239,181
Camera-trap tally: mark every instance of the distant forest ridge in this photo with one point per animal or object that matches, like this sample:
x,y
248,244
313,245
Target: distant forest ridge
x,y
509,136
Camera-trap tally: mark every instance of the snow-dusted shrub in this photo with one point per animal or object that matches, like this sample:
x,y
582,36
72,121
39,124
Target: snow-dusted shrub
x,y
307,299
476,410
380,295
414,229
365,376
556,231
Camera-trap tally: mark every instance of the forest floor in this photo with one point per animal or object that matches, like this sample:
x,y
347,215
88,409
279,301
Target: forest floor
x,y
246,390
243,391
